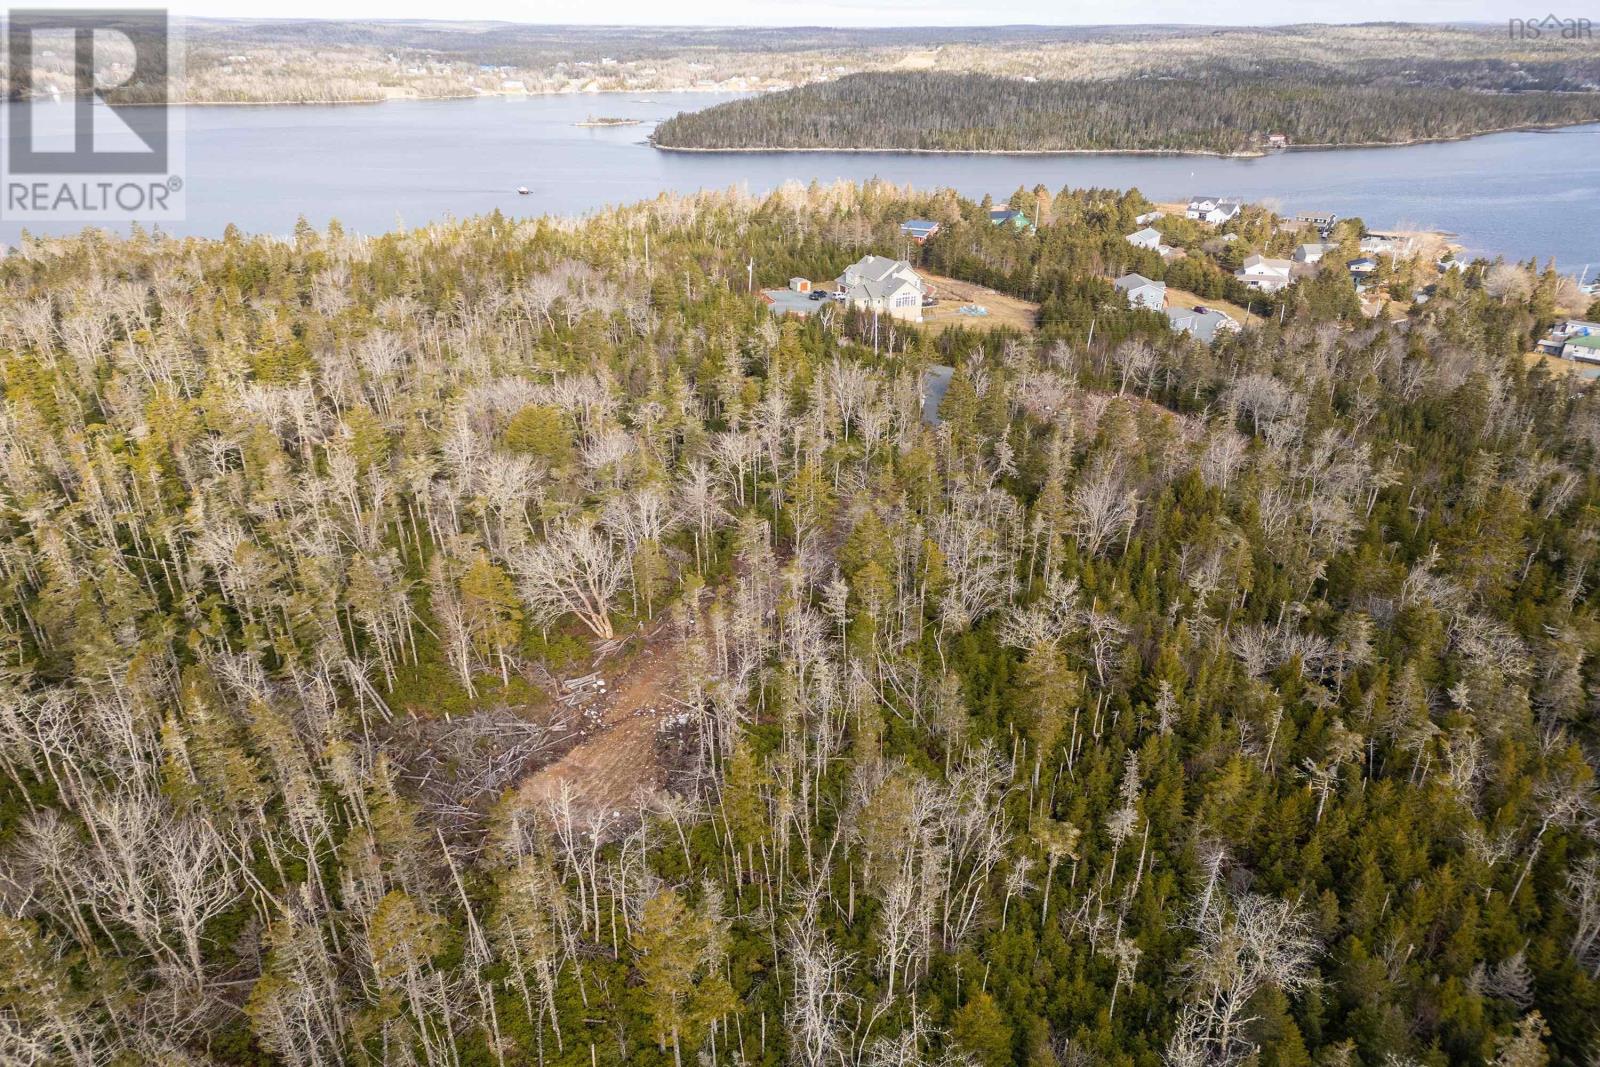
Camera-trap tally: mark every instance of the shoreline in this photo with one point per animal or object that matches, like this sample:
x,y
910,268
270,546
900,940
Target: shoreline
x,y
1211,153
356,102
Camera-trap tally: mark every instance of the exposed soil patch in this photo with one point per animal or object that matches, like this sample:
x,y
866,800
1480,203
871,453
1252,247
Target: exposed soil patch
x,y
621,712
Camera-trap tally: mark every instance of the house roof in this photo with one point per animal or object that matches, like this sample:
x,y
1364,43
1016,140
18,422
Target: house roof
x,y
876,268
880,277
1006,215
1148,231
1589,340
1282,266
1129,282
919,224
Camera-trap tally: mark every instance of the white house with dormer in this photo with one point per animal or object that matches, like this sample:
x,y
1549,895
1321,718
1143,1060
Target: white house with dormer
x,y
1265,275
1212,209
887,286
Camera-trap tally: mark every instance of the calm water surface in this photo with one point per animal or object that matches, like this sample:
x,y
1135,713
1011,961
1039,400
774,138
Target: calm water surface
x,y
378,166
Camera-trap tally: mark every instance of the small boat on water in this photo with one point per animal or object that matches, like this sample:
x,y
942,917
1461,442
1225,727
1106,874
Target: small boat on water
x,y
522,190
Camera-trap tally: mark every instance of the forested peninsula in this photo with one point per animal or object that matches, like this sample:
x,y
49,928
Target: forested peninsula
x,y
1224,113
507,643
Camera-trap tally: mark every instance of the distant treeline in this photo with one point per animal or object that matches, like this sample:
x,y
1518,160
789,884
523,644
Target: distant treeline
x,y
976,112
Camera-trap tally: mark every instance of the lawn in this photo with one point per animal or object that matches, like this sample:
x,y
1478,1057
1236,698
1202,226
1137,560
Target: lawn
x,y
1004,311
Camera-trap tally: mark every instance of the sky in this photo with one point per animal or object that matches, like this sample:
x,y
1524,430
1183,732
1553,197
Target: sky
x,y
875,12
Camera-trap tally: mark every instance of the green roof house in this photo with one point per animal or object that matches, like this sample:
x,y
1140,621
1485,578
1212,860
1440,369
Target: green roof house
x,y
1002,216
1585,347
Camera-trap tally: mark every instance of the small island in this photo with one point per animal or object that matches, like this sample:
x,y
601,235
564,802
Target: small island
x,y
608,121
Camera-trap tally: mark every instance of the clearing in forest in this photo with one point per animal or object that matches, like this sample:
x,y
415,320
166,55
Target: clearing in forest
x,y
622,710
954,295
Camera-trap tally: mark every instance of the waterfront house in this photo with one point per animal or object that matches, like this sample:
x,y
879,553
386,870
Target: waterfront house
x,y
1008,217
1148,237
1265,275
1277,140
888,286
1143,292
1322,221
1212,209
1202,323
1376,244
919,230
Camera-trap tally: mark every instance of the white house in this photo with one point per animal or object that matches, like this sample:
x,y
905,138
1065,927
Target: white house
x,y
1375,244
1148,217
1145,238
1142,292
1265,275
1362,266
889,286
1212,209
1312,251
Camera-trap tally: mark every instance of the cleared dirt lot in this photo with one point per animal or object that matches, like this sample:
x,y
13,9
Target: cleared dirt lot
x,y
605,773
953,294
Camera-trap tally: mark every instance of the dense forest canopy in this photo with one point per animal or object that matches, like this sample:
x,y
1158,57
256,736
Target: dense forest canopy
x,y
325,60
1163,704
936,112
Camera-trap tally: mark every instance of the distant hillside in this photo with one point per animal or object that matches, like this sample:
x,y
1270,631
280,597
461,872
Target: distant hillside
x,y
924,111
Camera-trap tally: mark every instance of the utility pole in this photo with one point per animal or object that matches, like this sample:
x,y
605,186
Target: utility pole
x,y
751,270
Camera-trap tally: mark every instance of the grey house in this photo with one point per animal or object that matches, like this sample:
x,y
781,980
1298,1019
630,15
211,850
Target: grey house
x,y
1149,237
1143,292
890,286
